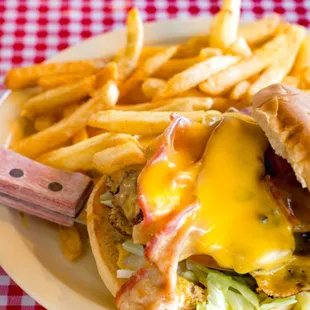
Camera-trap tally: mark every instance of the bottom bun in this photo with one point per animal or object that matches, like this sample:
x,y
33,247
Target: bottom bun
x,y
103,239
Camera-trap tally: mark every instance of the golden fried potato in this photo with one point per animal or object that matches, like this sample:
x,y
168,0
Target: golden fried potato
x,y
43,122
71,242
147,69
144,122
174,66
283,63
18,78
62,131
261,30
151,86
303,58
79,156
118,157
53,81
59,97
222,81
135,36
224,26
82,135
194,75
192,47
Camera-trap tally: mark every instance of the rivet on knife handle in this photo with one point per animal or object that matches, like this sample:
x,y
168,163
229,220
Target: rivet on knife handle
x,y
46,192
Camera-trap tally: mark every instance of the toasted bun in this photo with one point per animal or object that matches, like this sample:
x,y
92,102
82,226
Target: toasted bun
x,y
283,113
103,239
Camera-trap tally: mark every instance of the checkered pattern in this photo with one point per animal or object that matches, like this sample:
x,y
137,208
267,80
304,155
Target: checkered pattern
x,y
13,297
33,30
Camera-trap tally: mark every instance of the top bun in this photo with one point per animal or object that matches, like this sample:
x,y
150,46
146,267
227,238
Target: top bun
x,y
283,113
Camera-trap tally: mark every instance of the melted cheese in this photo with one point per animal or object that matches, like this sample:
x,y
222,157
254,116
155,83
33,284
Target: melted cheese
x,y
243,227
237,222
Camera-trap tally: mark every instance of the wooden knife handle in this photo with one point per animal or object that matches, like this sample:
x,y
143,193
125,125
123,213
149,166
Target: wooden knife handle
x,y
46,192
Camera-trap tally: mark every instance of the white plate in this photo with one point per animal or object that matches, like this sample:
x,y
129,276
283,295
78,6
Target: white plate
x,y
31,255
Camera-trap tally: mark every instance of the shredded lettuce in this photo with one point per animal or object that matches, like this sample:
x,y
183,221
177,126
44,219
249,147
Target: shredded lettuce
x,y
201,306
216,298
225,293
124,273
226,283
271,303
137,249
303,301
189,275
106,199
237,301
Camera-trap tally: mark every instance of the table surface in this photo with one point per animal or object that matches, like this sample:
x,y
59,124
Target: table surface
x,y
33,30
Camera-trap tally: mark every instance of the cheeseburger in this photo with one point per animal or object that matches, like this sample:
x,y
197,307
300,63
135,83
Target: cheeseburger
x,y
218,218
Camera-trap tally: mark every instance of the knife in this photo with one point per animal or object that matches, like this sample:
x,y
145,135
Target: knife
x,y
48,193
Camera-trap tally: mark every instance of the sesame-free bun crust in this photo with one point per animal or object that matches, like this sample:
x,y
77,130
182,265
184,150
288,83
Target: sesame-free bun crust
x,y
283,113
103,239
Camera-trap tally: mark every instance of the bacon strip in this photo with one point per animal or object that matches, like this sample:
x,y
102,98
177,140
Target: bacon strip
x,y
153,287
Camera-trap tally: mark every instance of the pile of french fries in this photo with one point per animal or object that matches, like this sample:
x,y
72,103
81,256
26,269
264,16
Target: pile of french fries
x,y
99,115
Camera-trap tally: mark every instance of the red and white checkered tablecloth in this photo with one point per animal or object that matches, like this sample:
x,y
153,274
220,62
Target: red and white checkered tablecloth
x,y
33,30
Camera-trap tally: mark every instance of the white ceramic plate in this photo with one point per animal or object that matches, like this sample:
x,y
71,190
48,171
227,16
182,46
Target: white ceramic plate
x,y
30,254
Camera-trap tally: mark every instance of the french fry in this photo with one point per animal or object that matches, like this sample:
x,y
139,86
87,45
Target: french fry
x,y
69,109
59,97
224,27
303,58
149,51
222,81
147,69
221,104
144,122
18,78
240,48
53,81
189,103
135,35
118,157
134,96
71,242
192,47
79,156
259,31
145,142
19,128
108,72
304,78
240,90
92,132
193,92
174,66
291,80
118,55
194,75
62,131
82,135
137,107
283,27
151,86
43,122
207,52
284,62
186,104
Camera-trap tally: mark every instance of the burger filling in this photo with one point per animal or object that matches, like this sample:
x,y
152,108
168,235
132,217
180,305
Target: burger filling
x,y
271,259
